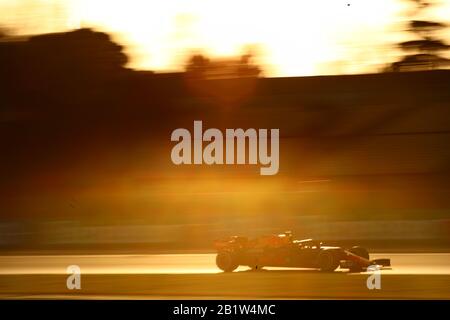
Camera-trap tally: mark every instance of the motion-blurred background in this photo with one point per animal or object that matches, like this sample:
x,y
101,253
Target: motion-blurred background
x,y
91,91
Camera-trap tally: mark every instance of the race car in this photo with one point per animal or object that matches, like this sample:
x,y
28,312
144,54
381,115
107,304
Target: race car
x,y
282,251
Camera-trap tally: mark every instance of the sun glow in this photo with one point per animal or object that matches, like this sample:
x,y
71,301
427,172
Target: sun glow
x,y
289,37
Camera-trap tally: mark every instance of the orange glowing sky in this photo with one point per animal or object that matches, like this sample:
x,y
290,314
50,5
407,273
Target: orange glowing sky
x,y
289,37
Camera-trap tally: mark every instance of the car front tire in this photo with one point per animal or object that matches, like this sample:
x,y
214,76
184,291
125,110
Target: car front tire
x,y
226,261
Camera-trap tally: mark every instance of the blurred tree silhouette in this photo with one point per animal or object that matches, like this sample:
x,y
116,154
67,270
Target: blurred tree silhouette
x,y
235,79
76,52
425,53
73,68
197,63
200,66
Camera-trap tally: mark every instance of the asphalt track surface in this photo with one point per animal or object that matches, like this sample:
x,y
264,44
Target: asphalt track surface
x,y
195,276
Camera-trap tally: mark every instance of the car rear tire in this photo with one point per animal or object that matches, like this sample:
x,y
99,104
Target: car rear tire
x,y
226,261
328,261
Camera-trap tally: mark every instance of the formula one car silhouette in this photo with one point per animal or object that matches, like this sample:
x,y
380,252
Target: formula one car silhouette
x,y
282,251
